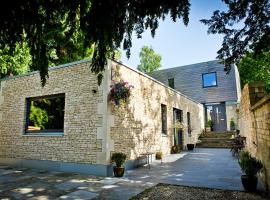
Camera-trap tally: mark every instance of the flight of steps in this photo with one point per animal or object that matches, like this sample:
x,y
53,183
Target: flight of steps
x,y
215,140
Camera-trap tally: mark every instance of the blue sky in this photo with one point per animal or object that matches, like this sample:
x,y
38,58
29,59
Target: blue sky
x,y
180,45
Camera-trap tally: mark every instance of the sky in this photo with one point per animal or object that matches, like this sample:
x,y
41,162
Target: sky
x,y
180,45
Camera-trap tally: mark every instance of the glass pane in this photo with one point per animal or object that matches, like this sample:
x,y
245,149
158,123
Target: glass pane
x,y
171,82
46,114
209,80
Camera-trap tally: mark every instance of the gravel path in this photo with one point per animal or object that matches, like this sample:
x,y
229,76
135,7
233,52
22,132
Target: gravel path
x,y
165,191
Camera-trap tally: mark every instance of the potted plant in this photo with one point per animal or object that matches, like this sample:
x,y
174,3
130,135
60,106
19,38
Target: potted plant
x,y
119,159
120,92
209,125
175,149
250,166
190,146
159,155
232,124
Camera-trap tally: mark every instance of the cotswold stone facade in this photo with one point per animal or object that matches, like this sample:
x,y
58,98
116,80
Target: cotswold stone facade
x,y
254,124
93,126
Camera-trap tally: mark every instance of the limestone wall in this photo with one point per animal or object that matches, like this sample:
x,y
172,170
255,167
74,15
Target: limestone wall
x,y
254,123
82,120
136,126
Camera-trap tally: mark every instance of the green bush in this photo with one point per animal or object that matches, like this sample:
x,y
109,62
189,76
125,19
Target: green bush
x,y
249,165
210,123
119,159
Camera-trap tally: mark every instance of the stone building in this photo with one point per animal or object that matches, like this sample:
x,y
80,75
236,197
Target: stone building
x,y
83,126
208,84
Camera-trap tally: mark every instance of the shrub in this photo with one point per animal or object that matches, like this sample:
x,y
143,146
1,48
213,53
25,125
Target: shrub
x,y
249,165
210,123
118,158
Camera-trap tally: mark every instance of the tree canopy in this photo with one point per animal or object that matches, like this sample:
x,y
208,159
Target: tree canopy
x,y
255,68
245,26
14,63
51,27
149,60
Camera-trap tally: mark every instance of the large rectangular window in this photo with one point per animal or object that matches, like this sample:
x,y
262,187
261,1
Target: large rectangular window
x,y
45,114
209,79
171,82
164,119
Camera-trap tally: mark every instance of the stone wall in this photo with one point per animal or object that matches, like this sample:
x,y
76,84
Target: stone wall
x,y
80,143
136,126
254,123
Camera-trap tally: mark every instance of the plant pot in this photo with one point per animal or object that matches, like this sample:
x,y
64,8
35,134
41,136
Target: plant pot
x,y
118,171
190,146
208,129
249,183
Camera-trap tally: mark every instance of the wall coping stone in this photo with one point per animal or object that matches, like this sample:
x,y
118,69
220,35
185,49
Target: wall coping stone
x,y
50,69
260,103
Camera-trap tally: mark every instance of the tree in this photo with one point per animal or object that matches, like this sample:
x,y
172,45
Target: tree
x,y
14,63
245,26
255,68
149,60
105,24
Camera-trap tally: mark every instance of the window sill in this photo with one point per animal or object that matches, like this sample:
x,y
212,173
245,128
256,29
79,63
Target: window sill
x,y
56,134
164,135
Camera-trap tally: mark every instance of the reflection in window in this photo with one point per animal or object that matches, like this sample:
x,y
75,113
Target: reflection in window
x,y
45,114
210,79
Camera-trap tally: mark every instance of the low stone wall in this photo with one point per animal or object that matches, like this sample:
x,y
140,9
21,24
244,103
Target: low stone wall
x,y
254,123
136,126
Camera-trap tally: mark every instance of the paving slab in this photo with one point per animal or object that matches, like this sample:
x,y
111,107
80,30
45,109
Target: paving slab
x,y
79,195
71,184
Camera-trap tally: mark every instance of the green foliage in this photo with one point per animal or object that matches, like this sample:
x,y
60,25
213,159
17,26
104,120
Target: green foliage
x,y
210,123
56,28
232,123
149,60
249,165
255,68
16,62
118,158
245,26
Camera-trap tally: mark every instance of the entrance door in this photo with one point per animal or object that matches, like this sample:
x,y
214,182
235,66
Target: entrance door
x,y
217,113
178,133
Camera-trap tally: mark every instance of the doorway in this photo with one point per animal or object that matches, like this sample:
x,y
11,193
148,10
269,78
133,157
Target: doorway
x,y
217,113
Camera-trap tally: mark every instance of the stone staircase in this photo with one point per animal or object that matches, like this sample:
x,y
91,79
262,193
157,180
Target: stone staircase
x,y
215,140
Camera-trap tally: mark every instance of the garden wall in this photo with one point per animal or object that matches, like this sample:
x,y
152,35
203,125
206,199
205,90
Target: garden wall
x,y
254,123
136,126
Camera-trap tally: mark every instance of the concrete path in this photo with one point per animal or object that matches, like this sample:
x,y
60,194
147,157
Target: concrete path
x,y
203,167
214,168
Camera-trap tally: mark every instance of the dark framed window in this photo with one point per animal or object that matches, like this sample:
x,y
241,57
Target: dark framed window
x,y
171,82
45,114
209,79
164,119
188,122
